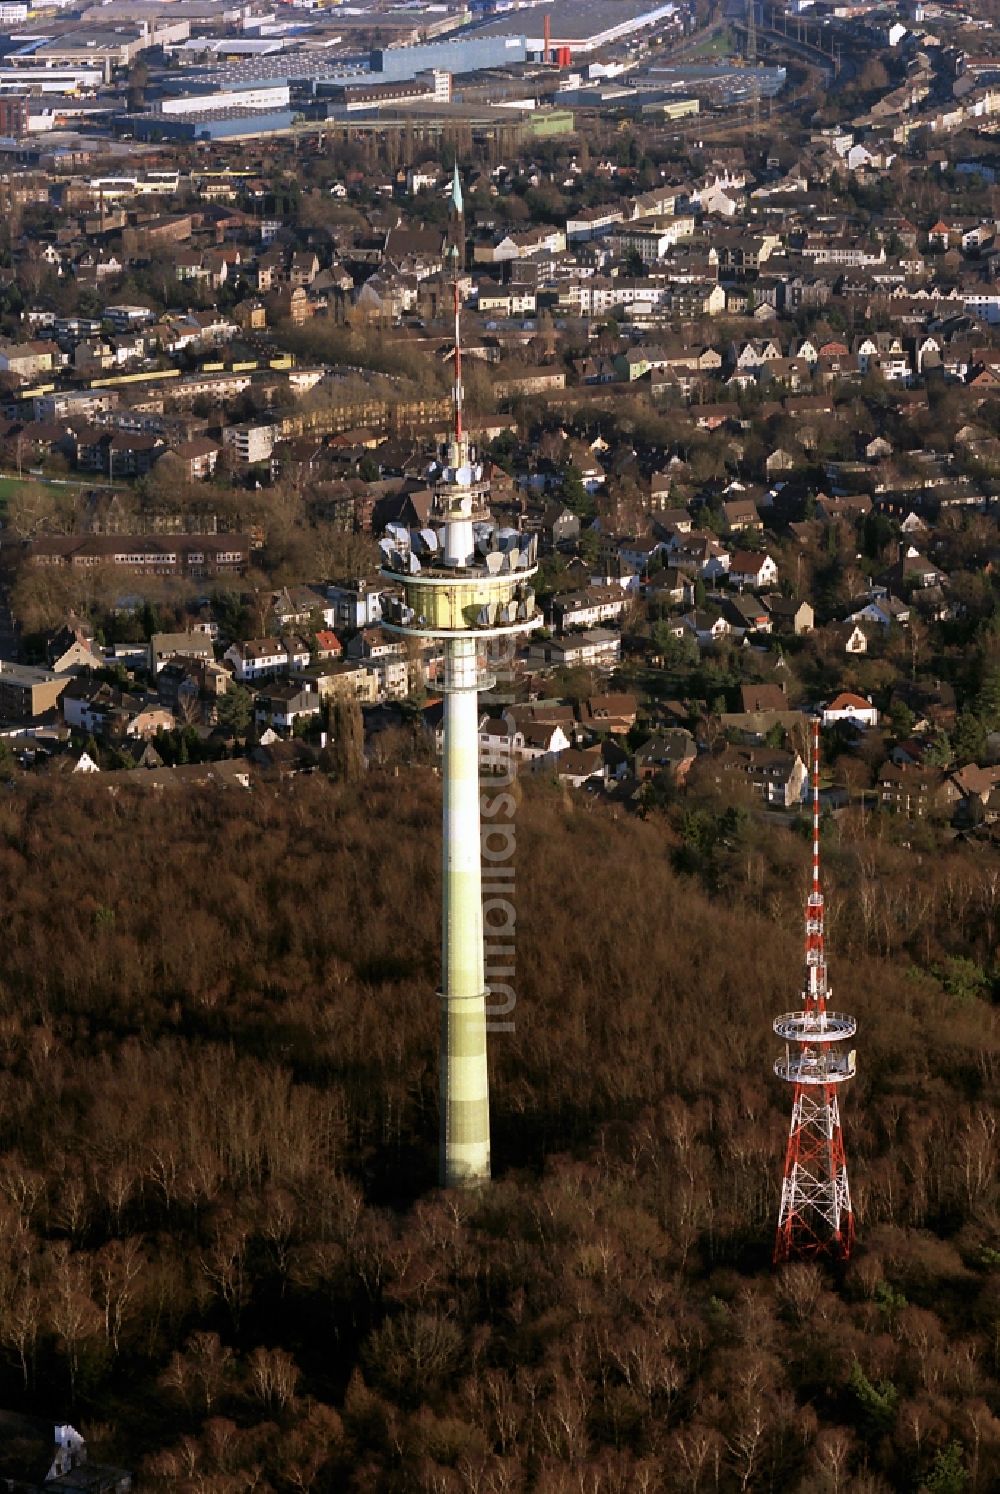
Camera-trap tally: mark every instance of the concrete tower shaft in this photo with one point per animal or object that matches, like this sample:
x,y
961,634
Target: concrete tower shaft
x,y
465,1106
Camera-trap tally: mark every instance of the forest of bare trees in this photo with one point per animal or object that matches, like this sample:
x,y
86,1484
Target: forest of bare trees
x,y
222,1253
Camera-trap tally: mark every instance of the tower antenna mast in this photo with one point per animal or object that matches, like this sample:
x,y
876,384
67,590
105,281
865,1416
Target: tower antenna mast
x,y
815,1216
464,583
456,255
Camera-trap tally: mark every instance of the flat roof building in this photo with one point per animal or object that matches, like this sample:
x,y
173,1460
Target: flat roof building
x,y
581,25
26,691
209,124
462,54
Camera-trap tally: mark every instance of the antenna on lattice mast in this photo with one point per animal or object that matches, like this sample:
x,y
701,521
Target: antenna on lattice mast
x,y
814,765
456,255
752,65
815,1216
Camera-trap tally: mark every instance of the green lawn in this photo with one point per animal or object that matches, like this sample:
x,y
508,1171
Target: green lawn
x,y
10,485
719,44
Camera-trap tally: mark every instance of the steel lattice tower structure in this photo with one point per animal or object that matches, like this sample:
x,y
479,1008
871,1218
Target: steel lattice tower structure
x,y
466,584
816,1216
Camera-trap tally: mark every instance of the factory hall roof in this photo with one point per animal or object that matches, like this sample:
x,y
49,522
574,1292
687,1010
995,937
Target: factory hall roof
x,y
570,20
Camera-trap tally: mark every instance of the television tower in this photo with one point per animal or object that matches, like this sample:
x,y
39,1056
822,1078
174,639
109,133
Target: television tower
x,y
816,1216
465,583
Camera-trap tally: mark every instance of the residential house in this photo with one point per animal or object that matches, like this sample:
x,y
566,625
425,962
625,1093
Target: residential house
x,y
916,791
853,709
264,658
183,684
740,516
300,606
304,268
193,555
670,752
28,691
614,715
29,359
282,704
748,568
778,777
250,314
881,609
327,645
190,645
72,650
670,588
539,743
357,603
707,627
758,727
581,765
634,553
521,737
595,648
251,442
884,351
700,554
745,613
118,453
763,697
661,486
789,615
914,570
385,656
850,637
151,718
198,457
849,508
507,300
980,791
560,525
101,710
598,604
288,303
227,772
342,679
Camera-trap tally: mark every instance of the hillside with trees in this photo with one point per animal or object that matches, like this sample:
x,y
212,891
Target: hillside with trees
x,y
223,1254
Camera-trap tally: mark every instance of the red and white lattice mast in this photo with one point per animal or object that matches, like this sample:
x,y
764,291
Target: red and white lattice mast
x,y
816,1216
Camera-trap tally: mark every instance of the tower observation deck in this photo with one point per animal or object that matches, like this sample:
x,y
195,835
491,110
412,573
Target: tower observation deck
x,y
464,582
816,1216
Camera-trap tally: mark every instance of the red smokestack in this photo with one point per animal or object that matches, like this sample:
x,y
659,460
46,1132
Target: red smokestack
x,y
547,43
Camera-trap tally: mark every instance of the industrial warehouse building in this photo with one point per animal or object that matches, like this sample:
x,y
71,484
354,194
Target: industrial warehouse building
x,y
263,97
214,124
465,54
582,26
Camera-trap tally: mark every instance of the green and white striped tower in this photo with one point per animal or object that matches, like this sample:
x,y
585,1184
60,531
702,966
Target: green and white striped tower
x,y
465,582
